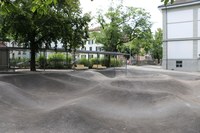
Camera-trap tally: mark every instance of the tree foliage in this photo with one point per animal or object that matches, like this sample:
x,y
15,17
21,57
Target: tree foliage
x,y
36,24
120,25
139,46
167,1
156,47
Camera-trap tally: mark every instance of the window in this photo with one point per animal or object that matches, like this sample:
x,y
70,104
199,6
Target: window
x,y
19,52
84,48
83,56
98,48
179,63
90,48
90,56
90,41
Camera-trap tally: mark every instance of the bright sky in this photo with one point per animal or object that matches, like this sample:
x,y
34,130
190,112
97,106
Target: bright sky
x,y
150,6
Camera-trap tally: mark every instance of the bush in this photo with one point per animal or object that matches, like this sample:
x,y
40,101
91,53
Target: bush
x,y
68,62
21,63
83,61
56,60
104,61
116,62
94,61
41,60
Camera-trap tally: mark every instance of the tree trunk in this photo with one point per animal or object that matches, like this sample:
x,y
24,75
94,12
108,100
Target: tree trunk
x,y
158,60
32,62
109,61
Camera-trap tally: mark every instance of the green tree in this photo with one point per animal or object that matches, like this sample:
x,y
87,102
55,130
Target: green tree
x,y
120,25
35,26
167,1
139,46
156,48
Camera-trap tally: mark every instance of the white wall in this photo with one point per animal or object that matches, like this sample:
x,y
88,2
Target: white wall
x,y
198,52
199,22
180,16
180,30
180,50
198,28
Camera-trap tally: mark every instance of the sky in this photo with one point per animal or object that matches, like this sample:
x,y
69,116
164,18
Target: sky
x,y
150,6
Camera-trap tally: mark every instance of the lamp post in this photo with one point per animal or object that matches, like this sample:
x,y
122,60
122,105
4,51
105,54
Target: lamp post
x,y
73,50
166,37
67,49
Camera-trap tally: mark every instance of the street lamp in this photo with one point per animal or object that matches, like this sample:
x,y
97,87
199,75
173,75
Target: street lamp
x,y
67,49
73,50
166,37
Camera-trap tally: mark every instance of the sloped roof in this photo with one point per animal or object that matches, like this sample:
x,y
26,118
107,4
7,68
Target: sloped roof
x,y
94,29
2,44
183,1
180,3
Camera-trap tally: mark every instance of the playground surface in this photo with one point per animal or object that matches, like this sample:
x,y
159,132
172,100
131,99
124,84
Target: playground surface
x,y
139,100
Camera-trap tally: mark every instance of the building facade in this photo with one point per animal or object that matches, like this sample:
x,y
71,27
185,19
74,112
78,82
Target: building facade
x,y
181,27
17,54
91,45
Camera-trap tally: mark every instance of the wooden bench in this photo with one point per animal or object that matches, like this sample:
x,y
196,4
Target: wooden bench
x,y
80,67
98,66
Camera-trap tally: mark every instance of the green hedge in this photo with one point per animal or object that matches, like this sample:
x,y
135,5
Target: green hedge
x,y
83,61
102,61
41,61
59,61
21,63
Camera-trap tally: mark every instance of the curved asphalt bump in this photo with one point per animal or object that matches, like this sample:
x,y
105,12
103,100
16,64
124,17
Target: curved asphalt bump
x,y
103,101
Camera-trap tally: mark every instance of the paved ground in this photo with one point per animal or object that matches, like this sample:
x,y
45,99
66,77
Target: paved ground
x,y
145,100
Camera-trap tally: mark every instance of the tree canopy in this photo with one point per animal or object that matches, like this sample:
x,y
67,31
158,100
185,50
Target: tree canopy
x,y
43,5
156,47
32,26
120,25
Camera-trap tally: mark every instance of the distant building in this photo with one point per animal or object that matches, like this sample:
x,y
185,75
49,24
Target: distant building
x,y
91,45
181,27
17,54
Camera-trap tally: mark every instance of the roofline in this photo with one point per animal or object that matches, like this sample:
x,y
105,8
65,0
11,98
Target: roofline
x,y
162,7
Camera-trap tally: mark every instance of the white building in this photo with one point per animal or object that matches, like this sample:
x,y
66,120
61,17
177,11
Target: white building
x,y
91,45
181,26
17,54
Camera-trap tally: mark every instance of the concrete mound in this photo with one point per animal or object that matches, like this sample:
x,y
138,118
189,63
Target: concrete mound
x,y
14,97
104,101
166,85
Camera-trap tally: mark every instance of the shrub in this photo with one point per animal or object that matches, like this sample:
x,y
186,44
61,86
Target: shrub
x,y
83,61
20,62
68,62
41,60
116,62
56,60
104,61
94,61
